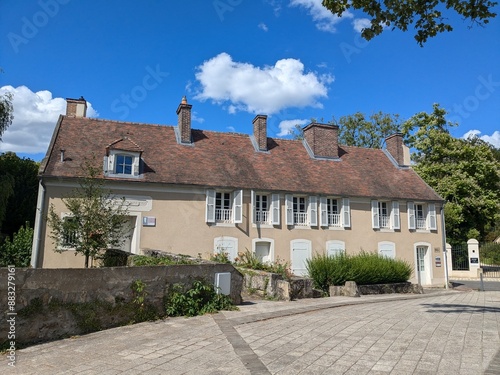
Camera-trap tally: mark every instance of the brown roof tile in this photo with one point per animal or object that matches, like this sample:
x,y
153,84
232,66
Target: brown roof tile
x,y
230,160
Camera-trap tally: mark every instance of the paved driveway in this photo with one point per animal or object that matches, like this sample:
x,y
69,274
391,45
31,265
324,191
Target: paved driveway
x,y
437,333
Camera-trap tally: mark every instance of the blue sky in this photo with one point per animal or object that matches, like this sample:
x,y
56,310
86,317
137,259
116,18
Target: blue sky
x,y
233,59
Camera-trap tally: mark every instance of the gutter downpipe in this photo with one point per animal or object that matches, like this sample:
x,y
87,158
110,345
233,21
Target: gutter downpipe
x,y
37,238
445,252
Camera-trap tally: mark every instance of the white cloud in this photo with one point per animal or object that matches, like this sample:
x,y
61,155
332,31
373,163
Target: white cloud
x,y
35,117
288,125
493,139
245,87
361,23
325,20
263,26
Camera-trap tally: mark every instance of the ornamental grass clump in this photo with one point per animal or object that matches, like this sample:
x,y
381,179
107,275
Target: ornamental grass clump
x,y
364,268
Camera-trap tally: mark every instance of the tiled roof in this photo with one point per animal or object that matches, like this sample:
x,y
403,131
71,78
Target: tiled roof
x,y
230,160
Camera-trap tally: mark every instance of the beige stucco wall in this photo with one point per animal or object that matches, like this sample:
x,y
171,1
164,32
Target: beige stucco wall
x,y
181,228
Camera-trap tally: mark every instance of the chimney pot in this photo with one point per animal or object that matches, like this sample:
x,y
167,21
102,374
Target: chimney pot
x,y
398,150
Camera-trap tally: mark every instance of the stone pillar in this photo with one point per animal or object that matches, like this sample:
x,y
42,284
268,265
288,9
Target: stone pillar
x,y
449,260
474,263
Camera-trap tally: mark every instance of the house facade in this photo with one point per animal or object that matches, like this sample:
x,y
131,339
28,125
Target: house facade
x,y
197,192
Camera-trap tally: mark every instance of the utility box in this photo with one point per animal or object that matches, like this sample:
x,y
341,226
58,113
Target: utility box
x,y
223,283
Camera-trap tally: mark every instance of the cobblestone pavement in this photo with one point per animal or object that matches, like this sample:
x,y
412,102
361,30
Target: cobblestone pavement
x,y
441,332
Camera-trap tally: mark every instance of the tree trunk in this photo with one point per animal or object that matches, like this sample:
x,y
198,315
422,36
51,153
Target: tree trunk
x,y
86,261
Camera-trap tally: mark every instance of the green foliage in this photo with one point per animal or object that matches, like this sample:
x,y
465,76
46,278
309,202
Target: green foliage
x,y
249,260
425,16
143,311
143,260
114,258
490,253
18,192
220,257
363,268
200,299
465,172
97,220
18,251
356,130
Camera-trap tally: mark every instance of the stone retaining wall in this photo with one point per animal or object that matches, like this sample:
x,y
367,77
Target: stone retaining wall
x,y
53,303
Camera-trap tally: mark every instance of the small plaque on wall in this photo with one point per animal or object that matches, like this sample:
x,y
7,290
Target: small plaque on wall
x,y
149,221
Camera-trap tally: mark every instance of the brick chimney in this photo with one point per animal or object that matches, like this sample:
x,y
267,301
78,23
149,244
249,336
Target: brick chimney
x,y
398,150
184,120
322,139
76,107
260,131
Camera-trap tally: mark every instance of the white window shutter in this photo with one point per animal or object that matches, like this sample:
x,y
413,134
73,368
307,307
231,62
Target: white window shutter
x,y
411,216
375,218
210,211
252,205
431,222
289,209
105,165
313,211
396,223
323,216
136,167
111,164
238,206
346,212
275,209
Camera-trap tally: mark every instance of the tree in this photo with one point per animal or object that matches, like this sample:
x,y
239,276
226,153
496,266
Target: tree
x,y
96,220
6,112
465,172
18,251
426,16
18,192
356,130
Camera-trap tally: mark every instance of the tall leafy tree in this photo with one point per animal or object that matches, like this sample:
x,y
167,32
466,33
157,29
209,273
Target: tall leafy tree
x,y
96,222
425,16
18,192
357,130
465,172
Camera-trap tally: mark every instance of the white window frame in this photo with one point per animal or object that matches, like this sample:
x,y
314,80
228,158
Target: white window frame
x,y
342,212
62,247
110,162
428,216
392,216
228,216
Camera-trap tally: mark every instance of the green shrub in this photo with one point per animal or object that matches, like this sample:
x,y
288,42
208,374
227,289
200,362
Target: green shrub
x,y
144,260
363,268
18,251
200,299
490,253
221,257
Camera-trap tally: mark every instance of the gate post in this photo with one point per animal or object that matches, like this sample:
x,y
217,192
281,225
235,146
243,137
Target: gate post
x,y
473,248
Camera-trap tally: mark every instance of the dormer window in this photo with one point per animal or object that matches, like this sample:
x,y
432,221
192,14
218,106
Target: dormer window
x,y
122,164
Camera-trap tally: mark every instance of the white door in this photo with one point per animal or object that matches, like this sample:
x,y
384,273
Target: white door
x,y
129,228
423,269
263,251
301,251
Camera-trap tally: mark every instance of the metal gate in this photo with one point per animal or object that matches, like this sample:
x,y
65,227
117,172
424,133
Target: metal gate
x,y
460,258
489,254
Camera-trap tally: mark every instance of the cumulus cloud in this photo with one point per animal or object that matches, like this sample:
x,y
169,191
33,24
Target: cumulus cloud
x,y
324,19
286,126
493,139
263,26
245,87
361,23
35,117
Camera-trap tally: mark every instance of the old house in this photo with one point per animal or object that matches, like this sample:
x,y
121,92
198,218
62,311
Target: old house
x,y
193,191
